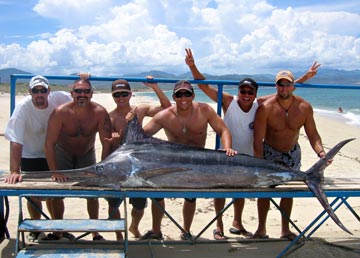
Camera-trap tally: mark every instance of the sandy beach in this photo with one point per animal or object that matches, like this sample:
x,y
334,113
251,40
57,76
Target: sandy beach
x,y
346,165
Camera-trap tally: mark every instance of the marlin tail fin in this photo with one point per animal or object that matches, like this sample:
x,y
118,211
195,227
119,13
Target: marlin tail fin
x,y
315,179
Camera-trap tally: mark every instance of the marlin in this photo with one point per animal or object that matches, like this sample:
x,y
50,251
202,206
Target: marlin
x,y
144,161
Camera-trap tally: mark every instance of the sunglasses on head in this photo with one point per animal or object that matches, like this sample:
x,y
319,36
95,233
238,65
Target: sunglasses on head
x,y
248,92
123,94
180,94
284,84
42,90
79,91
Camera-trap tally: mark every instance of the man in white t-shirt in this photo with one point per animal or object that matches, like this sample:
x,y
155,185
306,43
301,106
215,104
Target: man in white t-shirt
x,y
26,131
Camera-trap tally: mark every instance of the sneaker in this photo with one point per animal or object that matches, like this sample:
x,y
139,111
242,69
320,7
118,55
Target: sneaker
x,y
33,236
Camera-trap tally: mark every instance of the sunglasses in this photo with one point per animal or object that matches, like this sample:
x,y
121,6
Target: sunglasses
x,y
123,94
42,90
79,91
180,94
248,92
285,84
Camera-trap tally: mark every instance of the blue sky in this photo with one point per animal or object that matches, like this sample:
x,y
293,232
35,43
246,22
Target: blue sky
x,y
108,37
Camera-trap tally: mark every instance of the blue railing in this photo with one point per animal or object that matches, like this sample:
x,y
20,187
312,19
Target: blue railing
x,y
220,84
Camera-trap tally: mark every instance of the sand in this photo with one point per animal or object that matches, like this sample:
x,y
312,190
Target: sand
x,y
346,165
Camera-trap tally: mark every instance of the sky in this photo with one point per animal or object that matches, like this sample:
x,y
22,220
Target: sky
x,y
116,37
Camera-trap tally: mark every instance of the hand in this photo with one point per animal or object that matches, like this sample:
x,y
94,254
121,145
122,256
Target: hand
x,y
130,116
114,141
13,178
322,155
58,177
189,59
150,84
230,152
84,76
313,70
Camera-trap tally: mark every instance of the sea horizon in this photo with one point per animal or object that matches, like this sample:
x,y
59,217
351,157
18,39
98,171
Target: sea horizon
x,y
325,102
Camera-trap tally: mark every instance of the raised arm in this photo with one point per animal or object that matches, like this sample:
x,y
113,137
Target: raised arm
x,y
210,91
309,74
164,101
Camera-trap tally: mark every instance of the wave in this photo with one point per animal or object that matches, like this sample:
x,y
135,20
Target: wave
x,y
349,117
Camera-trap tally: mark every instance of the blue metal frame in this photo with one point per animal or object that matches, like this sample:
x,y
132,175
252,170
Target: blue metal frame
x,y
341,195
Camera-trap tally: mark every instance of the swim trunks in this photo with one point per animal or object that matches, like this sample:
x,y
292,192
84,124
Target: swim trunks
x,y
292,158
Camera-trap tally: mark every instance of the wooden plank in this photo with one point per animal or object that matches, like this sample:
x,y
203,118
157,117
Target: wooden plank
x,y
72,225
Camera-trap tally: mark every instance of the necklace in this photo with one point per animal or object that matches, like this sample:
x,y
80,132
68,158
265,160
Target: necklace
x,y
184,128
286,109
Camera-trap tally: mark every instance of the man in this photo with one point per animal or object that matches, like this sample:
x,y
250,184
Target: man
x,y
26,132
239,114
276,132
185,123
70,138
121,92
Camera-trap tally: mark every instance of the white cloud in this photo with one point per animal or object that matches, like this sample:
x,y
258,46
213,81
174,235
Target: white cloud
x,y
117,37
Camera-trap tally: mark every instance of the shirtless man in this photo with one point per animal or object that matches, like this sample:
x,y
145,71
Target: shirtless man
x,y
121,92
239,115
185,123
70,138
276,132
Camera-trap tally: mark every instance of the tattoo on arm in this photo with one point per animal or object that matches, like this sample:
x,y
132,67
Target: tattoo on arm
x,y
107,123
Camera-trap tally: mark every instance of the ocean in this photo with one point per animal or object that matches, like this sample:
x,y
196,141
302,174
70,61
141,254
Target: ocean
x,y
325,102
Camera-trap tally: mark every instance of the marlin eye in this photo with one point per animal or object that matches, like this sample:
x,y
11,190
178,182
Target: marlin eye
x,y
99,169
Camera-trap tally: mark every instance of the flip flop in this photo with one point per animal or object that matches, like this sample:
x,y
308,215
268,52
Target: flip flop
x,y
186,236
218,235
98,238
291,236
151,235
256,236
242,232
51,237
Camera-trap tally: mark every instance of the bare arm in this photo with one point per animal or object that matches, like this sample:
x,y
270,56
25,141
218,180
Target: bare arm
x,y
210,91
221,129
52,135
15,161
104,129
313,135
309,74
164,101
153,126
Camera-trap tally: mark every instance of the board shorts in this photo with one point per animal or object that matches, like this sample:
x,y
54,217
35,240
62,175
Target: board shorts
x,y
141,203
292,158
66,161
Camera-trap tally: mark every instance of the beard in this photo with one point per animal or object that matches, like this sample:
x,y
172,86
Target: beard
x,y
39,101
82,101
